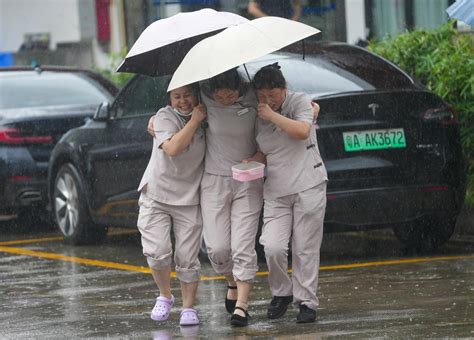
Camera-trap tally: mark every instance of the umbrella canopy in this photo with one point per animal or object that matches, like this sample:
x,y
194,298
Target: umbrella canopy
x,y
462,10
162,45
237,45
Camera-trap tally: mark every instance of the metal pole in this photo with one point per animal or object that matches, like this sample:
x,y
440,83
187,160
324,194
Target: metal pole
x,y
162,9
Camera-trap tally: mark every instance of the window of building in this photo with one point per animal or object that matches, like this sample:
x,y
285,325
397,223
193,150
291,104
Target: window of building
x,y
393,17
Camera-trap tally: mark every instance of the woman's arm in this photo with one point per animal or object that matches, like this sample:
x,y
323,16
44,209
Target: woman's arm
x,y
151,126
180,141
316,109
254,9
295,129
296,10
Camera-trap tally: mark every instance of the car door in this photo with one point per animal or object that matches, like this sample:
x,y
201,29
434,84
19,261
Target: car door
x,y
116,165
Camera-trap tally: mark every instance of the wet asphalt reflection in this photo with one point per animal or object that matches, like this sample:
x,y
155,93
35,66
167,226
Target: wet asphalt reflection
x,y
368,288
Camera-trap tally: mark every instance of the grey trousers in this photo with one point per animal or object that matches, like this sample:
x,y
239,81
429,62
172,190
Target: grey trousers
x,y
231,212
155,221
299,217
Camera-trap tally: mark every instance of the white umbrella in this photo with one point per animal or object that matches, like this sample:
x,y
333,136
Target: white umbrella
x,y
237,45
462,10
162,45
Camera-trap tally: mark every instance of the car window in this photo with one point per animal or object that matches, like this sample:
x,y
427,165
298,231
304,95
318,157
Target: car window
x,y
314,77
32,89
363,64
143,96
332,73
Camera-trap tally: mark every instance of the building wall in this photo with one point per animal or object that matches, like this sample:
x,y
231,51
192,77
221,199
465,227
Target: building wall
x,y
66,21
356,28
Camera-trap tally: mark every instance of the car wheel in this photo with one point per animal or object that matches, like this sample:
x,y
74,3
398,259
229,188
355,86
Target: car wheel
x,y
426,234
71,211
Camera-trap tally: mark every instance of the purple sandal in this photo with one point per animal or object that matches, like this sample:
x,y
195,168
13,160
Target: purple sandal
x,y
189,317
162,308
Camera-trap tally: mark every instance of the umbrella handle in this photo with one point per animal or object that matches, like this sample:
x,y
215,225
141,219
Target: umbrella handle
x,y
304,49
251,82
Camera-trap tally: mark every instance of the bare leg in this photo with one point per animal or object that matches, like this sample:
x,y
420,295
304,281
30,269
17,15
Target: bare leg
x,y
163,281
243,291
231,293
189,289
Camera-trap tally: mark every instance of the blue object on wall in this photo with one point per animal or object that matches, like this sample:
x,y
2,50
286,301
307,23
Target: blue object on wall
x,y
6,59
187,2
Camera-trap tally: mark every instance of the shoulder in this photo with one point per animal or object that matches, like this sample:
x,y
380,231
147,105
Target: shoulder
x,y
298,100
298,97
298,106
166,110
249,96
205,88
166,113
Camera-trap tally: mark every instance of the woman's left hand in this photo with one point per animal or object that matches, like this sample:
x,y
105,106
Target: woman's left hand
x,y
265,112
315,111
257,157
151,126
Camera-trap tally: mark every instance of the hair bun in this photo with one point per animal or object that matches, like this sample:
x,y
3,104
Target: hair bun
x,y
275,65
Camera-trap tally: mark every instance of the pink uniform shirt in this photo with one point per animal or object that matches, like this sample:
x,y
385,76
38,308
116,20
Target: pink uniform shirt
x,y
293,165
174,180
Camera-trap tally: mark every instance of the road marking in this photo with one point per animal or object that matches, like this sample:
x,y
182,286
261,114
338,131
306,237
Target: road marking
x,y
393,262
141,269
34,240
60,257
60,238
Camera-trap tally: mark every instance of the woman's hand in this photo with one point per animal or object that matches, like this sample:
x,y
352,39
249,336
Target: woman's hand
x,y
151,126
257,157
199,113
316,109
265,112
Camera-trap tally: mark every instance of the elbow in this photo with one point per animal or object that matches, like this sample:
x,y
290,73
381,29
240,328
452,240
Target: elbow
x,y
172,152
304,134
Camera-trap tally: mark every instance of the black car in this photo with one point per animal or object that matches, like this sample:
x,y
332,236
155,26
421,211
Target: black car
x,y
391,147
37,106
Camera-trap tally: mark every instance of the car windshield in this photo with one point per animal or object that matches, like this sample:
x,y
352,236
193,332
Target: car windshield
x,y
31,89
319,76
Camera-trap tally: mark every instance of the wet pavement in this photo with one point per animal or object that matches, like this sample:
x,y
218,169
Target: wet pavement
x,y
368,288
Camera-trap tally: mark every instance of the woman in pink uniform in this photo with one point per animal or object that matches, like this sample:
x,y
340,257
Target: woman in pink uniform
x,y
170,200
294,194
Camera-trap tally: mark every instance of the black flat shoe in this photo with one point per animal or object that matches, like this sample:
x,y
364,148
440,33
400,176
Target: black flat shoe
x,y
278,306
306,315
230,304
240,321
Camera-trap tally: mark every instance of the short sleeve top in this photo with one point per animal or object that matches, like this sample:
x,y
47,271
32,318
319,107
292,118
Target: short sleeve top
x,y
174,180
293,165
230,136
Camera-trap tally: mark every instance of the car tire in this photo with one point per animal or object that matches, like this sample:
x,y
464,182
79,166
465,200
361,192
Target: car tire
x,y
71,211
426,234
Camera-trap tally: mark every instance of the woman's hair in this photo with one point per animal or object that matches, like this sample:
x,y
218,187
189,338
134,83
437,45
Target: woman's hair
x,y
194,87
269,77
227,80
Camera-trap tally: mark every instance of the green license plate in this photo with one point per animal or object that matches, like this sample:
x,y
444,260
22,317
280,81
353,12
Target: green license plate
x,y
374,140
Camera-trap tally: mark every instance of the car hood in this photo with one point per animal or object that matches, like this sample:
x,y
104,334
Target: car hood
x,y
34,113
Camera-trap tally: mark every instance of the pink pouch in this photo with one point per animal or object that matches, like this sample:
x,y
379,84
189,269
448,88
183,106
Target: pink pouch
x,y
250,171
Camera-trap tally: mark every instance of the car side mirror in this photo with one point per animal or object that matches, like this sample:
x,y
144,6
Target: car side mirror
x,y
103,112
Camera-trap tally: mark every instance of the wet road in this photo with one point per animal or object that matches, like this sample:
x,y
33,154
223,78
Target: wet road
x,y
368,288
